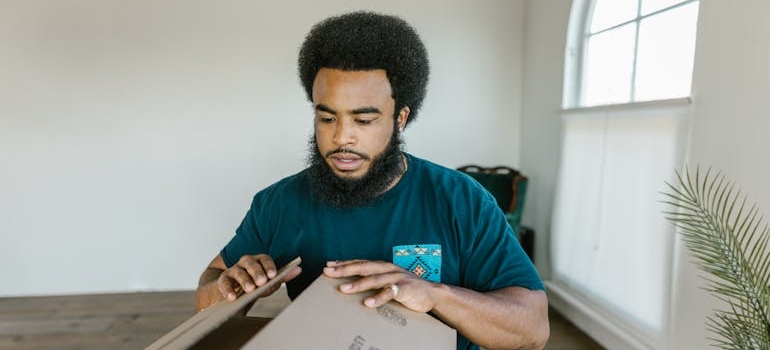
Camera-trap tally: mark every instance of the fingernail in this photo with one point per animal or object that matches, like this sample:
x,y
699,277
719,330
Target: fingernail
x,y
329,269
271,273
346,287
231,296
261,280
248,287
369,302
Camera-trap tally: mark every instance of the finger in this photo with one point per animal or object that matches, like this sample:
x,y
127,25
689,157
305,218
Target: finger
x,y
359,268
370,283
336,263
255,269
261,267
242,277
379,299
268,265
226,287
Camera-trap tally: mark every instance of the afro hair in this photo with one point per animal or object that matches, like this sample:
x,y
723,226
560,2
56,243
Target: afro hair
x,y
365,41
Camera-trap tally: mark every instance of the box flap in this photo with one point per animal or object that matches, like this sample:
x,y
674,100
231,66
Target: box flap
x,y
204,322
328,319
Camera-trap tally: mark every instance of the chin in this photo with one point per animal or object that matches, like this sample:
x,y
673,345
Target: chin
x,y
356,174
350,175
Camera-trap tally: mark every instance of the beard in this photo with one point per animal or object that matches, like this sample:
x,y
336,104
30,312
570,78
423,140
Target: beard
x,y
340,192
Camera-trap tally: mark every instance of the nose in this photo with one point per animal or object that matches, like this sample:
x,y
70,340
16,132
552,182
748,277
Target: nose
x,y
344,133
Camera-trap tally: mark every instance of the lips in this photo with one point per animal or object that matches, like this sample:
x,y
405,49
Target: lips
x,y
346,161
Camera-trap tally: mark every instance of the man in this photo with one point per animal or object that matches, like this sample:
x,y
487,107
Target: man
x,y
423,235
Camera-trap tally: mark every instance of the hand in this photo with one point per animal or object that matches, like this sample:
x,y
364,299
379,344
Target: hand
x,y
413,292
249,273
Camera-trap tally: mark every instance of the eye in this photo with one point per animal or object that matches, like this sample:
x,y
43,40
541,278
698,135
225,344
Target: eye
x,y
325,119
364,121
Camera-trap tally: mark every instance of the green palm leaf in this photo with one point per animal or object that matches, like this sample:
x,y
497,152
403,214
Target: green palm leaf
x,y
730,243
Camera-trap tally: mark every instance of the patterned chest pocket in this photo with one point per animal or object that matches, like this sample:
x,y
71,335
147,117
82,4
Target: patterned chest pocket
x,y
423,260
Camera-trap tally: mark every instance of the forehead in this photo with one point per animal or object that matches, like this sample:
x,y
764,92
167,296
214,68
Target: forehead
x,y
336,84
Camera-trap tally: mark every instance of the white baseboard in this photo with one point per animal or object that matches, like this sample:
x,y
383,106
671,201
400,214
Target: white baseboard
x,y
609,331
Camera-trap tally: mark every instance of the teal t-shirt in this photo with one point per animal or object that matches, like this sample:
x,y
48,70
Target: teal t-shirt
x,y
436,222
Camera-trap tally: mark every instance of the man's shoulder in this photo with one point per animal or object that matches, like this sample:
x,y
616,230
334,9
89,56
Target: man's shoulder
x,y
289,185
446,183
439,174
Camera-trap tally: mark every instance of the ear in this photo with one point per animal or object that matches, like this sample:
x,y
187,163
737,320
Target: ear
x,y
403,117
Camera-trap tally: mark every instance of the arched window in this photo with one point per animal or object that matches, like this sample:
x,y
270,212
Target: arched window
x,y
633,50
627,99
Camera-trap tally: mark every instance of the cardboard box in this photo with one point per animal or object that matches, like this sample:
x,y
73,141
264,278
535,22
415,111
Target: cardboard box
x,y
320,317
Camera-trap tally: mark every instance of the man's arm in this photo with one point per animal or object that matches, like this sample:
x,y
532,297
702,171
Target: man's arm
x,y
218,282
208,292
507,318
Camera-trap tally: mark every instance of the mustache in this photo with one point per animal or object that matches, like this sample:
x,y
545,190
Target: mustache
x,y
346,150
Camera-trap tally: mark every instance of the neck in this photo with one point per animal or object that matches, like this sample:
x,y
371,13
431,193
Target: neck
x,y
404,168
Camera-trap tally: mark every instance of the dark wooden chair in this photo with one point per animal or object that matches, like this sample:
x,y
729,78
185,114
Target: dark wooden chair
x,y
509,187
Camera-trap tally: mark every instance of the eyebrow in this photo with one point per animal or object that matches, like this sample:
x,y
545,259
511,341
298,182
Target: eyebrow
x,y
324,108
361,110
367,110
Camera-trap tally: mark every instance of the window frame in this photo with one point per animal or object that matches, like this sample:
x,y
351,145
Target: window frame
x,y
578,36
605,323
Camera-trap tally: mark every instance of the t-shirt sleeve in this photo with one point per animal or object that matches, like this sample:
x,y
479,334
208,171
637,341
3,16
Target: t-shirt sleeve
x,y
494,258
246,240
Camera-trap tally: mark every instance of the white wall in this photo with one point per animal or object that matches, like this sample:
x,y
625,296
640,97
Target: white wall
x,y
730,128
731,82
134,134
545,40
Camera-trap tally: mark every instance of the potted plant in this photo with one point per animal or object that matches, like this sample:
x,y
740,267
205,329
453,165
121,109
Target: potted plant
x,y
730,242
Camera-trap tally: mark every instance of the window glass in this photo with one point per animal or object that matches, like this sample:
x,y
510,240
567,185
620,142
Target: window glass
x,y
650,6
611,248
609,66
630,57
608,13
665,54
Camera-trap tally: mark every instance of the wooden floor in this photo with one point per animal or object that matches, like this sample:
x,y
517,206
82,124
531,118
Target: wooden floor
x,y
133,321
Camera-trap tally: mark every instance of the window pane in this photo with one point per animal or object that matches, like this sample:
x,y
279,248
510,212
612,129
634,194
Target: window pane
x,y
649,6
666,50
609,63
608,13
